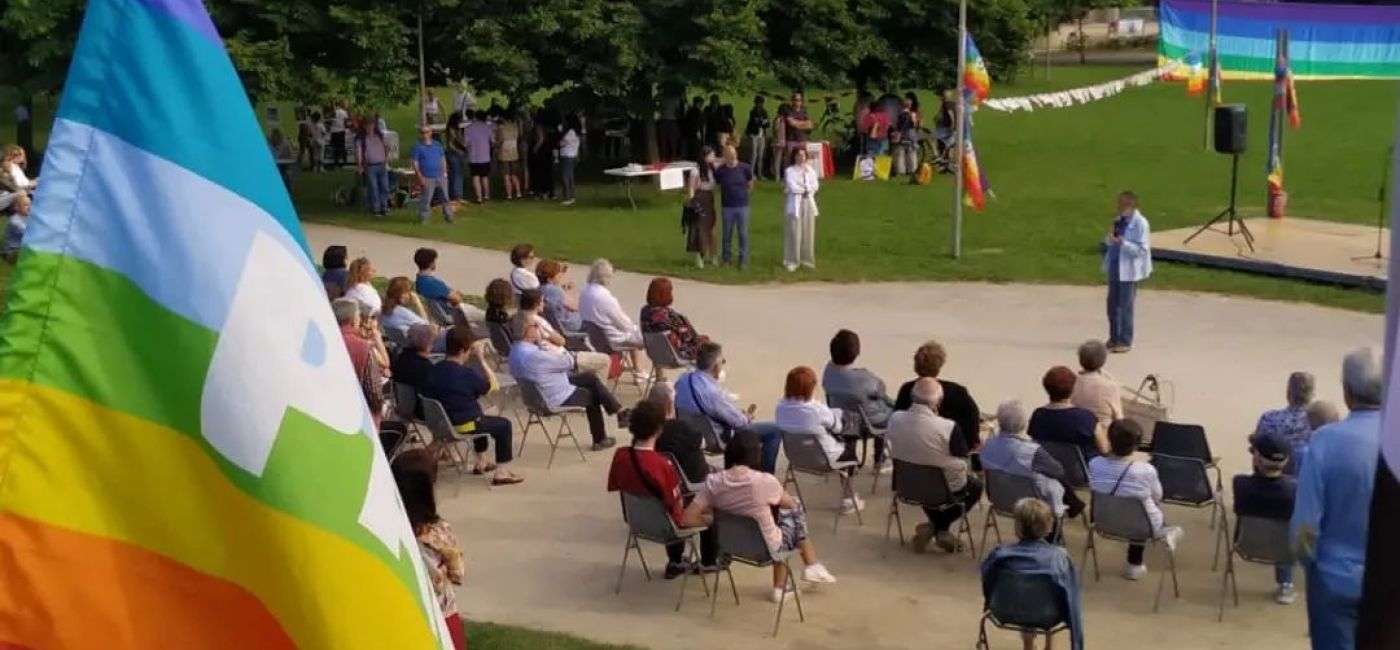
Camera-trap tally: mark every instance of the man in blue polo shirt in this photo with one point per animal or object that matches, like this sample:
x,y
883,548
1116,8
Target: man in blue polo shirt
x,y
430,164
431,287
735,182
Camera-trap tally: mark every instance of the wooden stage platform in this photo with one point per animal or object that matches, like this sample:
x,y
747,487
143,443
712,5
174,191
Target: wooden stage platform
x,y
1306,249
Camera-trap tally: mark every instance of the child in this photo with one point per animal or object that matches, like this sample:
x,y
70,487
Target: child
x,y
1269,493
15,227
415,472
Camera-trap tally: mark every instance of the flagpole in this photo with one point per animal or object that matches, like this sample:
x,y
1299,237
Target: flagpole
x,y
422,75
959,134
1211,80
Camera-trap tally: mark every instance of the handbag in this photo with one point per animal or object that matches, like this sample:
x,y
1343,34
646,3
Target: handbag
x,y
1147,406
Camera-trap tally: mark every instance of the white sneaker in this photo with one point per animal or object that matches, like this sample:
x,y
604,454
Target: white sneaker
x,y
1134,571
884,468
818,573
567,202
1284,595
850,506
790,267
1172,536
779,595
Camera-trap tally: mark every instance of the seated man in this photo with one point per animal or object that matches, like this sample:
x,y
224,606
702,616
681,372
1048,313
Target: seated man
x,y
920,436
431,287
532,302
1119,473
1268,493
957,404
641,470
678,437
1095,390
759,495
1061,421
1013,452
842,377
699,392
556,373
459,381
1035,556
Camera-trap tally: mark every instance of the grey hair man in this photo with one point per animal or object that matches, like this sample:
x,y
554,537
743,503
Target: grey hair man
x,y
921,437
1095,390
1332,512
701,397
1291,421
347,312
1013,452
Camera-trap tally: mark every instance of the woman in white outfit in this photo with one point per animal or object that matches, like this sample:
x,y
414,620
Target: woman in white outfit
x,y
597,305
800,222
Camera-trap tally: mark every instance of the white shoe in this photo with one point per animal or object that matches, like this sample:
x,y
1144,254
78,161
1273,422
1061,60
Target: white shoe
x,y
1134,571
779,595
884,468
1172,536
850,506
818,573
1284,595
790,267
567,202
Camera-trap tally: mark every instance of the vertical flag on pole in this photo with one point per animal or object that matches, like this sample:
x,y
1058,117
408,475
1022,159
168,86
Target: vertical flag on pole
x,y
1275,157
1195,75
1216,97
180,466
977,83
977,86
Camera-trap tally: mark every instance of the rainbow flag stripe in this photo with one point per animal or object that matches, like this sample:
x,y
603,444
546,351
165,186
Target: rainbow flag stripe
x,y
977,83
1328,41
186,460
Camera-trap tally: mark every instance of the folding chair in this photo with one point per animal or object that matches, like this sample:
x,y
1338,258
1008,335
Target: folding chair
x,y
538,409
687,486
1003,491
742,540
714,444
805,455
663,356
438,314
406,409
1071,457
500,342
1124,519
573,341
925,486
849,403
599,340
446,436
1024,602
1185,483
1186,441
647,520
394,339
1257,540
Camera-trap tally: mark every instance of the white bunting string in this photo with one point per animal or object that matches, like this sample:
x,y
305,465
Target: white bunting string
x,y
1075,96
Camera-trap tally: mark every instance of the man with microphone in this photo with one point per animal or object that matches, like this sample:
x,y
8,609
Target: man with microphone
x,y
1128,261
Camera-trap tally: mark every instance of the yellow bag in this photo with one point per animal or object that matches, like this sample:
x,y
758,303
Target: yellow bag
x,y
925,175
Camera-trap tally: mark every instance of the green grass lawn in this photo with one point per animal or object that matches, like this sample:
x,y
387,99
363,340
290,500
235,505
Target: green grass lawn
x,y
489,636
1055,174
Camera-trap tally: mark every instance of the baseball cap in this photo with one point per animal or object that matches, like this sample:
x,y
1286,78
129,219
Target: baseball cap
x,y
1270,446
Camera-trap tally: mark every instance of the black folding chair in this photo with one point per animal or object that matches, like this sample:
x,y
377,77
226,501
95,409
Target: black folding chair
x,y
925,486
1024,602
854,404
1003,491
647,520
1125,519
1186,441
1257,540
1186,483
806,456
538,410
742,540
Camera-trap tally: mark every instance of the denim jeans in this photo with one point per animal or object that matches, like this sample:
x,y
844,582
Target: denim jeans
x,y
736,219
758,150
431,186
771,437
377,184
566,175
1120,311
1332,617
454,175
1283,574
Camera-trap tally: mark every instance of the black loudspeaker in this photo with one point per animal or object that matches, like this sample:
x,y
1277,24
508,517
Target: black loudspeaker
x,y
1231,128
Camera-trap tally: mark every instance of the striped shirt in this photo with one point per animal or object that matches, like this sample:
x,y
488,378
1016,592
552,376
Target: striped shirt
x,y
1139,479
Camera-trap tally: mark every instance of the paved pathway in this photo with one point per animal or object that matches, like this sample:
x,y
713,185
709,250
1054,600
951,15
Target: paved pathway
x,y
545,553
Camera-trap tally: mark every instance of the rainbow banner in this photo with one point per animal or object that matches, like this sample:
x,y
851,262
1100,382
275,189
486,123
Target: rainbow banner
x,y
1329,41
186,458
1195,75
977,82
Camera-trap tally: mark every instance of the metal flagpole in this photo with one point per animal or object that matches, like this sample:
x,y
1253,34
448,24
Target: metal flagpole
x,y
422,75
956,251
1210,75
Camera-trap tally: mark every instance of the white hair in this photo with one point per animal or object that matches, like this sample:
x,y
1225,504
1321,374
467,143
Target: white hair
x,y
1011,417
600,272
346,310
1362,383
927,391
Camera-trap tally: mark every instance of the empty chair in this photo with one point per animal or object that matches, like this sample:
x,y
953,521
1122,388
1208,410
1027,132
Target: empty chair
x,y
1024,602
538,411
647,520
446,437
806,456
663,356
1257,540
925,486
1186,483
742,540
1003,491
1125,519
599,340
1186,441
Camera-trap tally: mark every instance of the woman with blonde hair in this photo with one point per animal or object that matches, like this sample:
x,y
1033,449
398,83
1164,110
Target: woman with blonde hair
x,y
358,286
14,162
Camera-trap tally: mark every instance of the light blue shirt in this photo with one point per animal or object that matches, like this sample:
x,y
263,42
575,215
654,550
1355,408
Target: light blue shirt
x,y
698,392
548,369
1334,499
1133,257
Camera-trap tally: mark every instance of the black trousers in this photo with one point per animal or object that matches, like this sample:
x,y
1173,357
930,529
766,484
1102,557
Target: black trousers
x,y
339,155
1135,553
668,136
502,435
943,520
709,548
595,398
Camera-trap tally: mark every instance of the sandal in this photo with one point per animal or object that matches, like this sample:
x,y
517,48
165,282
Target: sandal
x,y
507,480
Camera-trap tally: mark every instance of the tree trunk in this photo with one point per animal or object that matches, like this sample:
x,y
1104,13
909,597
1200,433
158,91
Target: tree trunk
x,y
1083,40
644,107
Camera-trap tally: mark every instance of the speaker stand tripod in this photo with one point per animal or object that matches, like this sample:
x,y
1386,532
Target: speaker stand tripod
x,y
1229,215
1378,256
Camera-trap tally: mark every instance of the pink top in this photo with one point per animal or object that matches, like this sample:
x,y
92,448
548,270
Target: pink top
x,y
747,492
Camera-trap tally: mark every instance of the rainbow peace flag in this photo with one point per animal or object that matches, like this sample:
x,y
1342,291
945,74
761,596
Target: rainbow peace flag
x,y
975,186
186,459
977,83
1216,97
1195,75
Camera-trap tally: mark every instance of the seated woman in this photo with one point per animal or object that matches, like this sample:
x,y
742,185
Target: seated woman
x,y
1061,421
459,382
522,271
1118,473
558,303
498,300
658,316
1013,452
415,472
403,309
1033,555
333,262
743,489
359,288
798,412
640,470
957,404
841,377
597,305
